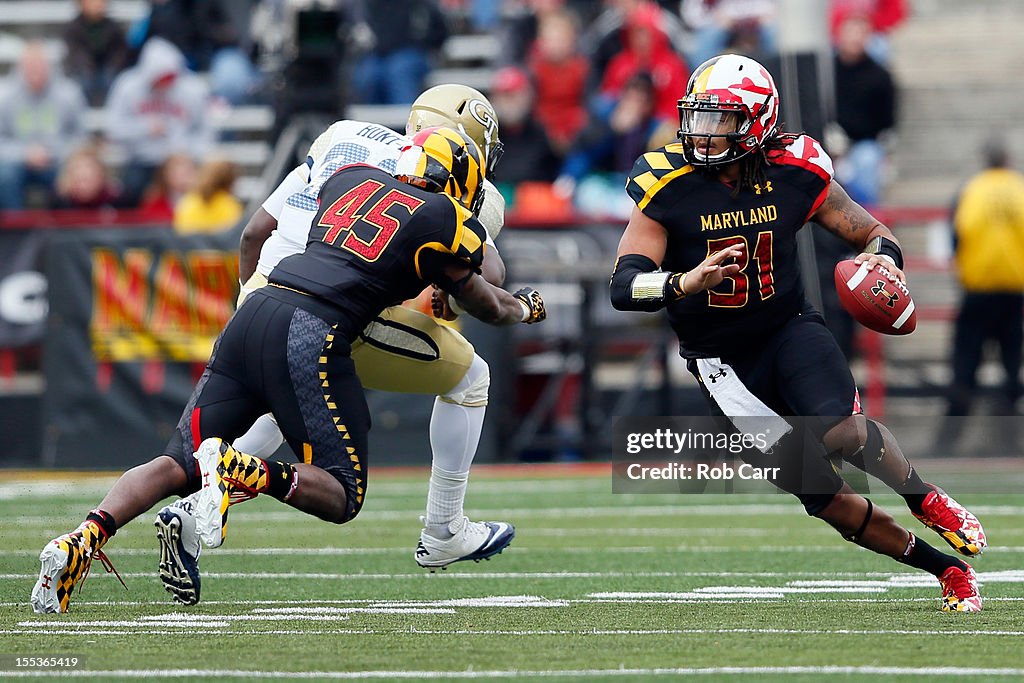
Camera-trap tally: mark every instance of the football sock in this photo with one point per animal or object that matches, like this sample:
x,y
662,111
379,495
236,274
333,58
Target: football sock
x,y
97,528
454,436
922,556
914,491
263,438
444,500
281,479
249,473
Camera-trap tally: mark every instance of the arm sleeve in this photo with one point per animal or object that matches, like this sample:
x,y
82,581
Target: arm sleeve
x,y
637,284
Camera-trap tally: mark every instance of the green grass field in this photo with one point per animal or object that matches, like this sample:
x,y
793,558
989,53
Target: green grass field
x,y
595,587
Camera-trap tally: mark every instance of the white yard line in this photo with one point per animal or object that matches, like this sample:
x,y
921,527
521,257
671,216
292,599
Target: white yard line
x,y
783,508
519,549
901,580
405,630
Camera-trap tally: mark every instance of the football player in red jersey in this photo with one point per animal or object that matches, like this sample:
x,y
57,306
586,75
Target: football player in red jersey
x,y
713,239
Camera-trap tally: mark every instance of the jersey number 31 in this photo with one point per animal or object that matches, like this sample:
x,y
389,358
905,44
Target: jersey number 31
x,y
740,294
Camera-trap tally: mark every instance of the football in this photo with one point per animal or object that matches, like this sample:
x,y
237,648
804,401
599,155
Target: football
x,y
875,301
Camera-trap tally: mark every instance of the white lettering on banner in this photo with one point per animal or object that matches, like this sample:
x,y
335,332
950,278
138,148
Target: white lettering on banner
x,y
23,298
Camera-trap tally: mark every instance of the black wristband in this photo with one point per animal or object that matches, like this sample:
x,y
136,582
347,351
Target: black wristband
x,y
883,246
676,287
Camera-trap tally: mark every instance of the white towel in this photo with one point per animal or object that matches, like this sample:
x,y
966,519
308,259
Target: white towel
x,y
747,412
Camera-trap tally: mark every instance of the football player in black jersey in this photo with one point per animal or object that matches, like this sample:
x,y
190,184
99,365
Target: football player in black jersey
x,y
713,239
377,240
402,349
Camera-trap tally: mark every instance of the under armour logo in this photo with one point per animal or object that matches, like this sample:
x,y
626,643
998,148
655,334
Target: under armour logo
x,y
890,297
46,582
717,376
421,550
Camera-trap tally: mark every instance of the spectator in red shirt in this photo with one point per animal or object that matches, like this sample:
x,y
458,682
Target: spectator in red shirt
x,y
647,50
560,76
884,16
173,179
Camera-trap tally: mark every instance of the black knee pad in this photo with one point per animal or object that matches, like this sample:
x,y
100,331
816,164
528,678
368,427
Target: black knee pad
x,y
814,503
872,451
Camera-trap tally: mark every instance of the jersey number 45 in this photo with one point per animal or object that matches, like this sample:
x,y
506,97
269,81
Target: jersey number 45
x,y
345,213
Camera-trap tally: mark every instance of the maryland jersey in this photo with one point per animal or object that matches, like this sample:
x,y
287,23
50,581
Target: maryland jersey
x,y
701,217
374,241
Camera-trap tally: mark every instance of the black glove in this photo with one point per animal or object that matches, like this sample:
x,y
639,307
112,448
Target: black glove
x,y
534,304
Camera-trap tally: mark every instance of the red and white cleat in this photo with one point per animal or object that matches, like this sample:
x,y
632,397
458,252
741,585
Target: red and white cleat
x,y
960,590
955,523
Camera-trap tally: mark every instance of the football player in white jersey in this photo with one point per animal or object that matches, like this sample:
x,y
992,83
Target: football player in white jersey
x,y
402,350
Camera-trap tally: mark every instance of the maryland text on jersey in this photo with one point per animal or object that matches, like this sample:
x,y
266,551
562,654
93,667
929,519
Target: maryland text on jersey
x,y
739,219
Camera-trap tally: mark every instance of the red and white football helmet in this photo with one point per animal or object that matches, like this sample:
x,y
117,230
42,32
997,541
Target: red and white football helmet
x,y
732,97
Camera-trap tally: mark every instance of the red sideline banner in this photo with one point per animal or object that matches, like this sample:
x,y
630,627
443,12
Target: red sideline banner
x,y
133,318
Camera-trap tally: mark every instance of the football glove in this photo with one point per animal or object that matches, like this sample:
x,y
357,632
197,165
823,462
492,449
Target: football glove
x,y
533,305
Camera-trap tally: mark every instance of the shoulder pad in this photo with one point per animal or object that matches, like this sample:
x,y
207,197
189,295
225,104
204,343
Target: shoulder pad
x,y
322,144
654,170
807,153
470,235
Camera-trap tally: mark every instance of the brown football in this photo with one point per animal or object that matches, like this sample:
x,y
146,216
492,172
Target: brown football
x,y
875,301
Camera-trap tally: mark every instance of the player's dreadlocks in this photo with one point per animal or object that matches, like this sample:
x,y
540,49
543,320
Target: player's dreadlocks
x,y
753,165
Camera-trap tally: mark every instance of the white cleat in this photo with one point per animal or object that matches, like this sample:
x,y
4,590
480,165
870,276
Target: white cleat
x,y
470,541
179,550
64,564
212,500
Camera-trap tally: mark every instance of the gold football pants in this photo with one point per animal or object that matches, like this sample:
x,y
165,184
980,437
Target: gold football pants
x,y
403,351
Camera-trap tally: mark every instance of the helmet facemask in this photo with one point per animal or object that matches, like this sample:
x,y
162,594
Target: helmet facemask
x,y
728,97
703,121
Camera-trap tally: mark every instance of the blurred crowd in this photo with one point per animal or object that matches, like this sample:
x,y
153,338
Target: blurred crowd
x,y
586,87
581,89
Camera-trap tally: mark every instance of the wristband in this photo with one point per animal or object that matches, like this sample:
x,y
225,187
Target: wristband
x,y
883,246
678,283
